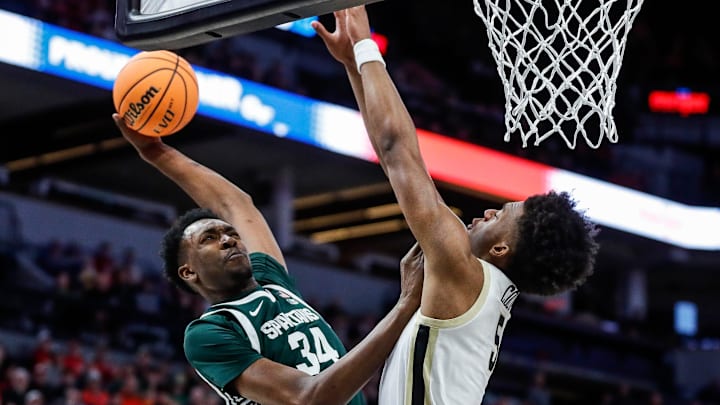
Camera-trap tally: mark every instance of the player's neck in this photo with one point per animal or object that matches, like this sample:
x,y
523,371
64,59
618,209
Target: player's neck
x,y
217,297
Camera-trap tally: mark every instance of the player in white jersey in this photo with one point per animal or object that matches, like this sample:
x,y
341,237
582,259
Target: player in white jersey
x,y
473,273
449,361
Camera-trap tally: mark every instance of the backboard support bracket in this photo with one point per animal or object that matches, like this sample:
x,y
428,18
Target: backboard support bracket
x,y
212,20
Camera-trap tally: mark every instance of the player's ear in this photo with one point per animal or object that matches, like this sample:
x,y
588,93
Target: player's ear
x,y
186,273
500,250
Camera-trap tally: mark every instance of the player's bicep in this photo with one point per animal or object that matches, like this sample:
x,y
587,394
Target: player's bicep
x,y
218,353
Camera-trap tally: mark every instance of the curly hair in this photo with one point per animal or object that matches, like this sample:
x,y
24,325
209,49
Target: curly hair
x,y
170,247
556,246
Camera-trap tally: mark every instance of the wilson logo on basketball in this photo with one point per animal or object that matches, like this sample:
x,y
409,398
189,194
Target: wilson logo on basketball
x,y
136,108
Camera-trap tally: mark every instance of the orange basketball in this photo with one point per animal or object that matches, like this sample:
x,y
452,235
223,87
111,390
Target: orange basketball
x,y
156,93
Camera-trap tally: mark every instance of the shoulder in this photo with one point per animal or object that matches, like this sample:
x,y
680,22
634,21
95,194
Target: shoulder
x,y
267,270
494,274
209,323
500,284
214,332
261,260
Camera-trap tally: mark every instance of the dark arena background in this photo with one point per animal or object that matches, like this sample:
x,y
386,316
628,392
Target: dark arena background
x,y
83,305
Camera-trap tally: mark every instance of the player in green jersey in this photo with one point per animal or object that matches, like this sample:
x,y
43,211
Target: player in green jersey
x,y
259,342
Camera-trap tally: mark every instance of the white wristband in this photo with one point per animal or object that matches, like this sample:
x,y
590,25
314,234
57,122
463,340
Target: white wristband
x,y
365,51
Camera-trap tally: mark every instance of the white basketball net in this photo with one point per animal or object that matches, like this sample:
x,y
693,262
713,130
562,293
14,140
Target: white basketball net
x,y
559,61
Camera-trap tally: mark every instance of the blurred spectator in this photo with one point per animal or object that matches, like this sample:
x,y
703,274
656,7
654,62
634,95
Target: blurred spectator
x,y
18,386
67,305
102,363
147,300
73,360
710,392
538,393
72,396
130,393
201,395
622,396
57,257
94,392
5,362
34,397
102,259
45,349
129,269
46,380
655,398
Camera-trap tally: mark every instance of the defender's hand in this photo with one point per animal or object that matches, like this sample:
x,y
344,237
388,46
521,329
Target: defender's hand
x,y
412,272
337,42
357,24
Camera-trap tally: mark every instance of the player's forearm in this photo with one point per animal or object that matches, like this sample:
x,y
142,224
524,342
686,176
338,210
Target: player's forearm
x,y
357,88
338,383
388,121
206,187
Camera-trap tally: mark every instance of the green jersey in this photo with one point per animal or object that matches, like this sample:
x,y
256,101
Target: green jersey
x,y
271,321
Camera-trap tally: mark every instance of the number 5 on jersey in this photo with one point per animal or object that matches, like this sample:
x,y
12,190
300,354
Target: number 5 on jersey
x,y
499,329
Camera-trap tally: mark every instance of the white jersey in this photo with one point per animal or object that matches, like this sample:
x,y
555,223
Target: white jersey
x,y
449,361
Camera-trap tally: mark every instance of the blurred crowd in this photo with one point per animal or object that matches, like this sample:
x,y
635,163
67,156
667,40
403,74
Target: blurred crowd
x,y
109,331
54,374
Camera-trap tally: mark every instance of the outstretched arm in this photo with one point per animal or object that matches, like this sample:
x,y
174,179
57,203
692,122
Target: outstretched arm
x,y
208,189
442,236
268,382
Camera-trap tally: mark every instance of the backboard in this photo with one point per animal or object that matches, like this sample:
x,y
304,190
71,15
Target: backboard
x,y
176,24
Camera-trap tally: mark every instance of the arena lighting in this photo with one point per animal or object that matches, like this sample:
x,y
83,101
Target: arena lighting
x,y
64,154
350,232
364,214
359,231
346,194
83,58
382,42
681,101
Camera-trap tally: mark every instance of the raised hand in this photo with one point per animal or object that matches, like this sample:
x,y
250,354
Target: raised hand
x,y
357,24
412,268
337,42
139,141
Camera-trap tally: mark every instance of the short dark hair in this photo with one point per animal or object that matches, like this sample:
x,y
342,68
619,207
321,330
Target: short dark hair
x,y
555,246
170,246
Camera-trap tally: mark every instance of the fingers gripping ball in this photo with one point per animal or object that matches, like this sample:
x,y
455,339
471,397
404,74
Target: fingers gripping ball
x,y
156,93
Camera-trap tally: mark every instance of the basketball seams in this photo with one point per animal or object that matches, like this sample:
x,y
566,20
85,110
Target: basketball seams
x,y
161,101
162,97
132,86
181,65
182,116
185,91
